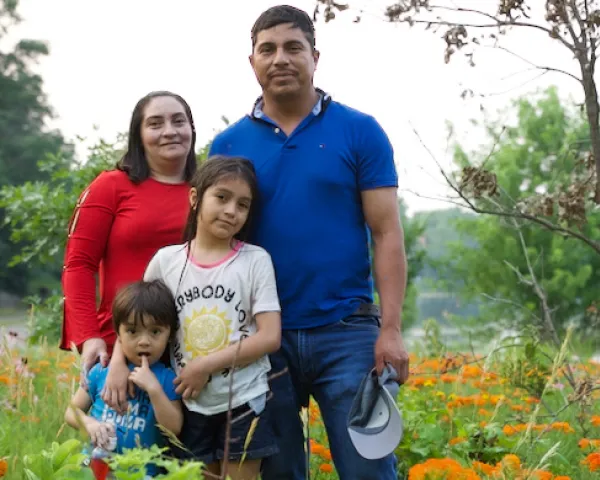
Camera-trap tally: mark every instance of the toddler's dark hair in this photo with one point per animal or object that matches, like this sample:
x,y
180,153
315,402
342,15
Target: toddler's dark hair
x,y
145,299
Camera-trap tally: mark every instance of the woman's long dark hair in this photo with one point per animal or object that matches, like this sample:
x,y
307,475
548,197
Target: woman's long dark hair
x,y
213,170
134,161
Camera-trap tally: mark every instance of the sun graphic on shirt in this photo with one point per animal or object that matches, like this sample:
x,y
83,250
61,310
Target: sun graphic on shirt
x,y
206,331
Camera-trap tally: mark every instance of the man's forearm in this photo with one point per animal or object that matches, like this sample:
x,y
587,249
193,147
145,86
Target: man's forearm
x,y
390,276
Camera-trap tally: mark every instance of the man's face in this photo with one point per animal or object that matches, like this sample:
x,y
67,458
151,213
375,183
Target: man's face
x,y
283,60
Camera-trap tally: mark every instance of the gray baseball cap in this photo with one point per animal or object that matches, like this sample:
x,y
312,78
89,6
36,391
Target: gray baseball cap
x,y
375,422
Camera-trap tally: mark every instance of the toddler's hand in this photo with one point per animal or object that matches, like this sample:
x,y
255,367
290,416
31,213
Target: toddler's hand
x,y
144,378
100,433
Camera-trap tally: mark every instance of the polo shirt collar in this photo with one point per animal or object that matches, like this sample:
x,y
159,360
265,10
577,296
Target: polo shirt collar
x,y
320,106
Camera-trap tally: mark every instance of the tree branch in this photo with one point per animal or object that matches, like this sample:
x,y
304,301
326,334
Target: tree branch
x,y
508,214
497,23
512,303
580,22
540,67
541,294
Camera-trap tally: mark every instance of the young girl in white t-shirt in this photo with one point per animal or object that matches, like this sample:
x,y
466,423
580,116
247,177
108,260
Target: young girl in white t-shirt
x,y
229,315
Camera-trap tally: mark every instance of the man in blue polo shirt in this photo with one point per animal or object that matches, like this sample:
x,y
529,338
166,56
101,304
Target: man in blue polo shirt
x,y
328,187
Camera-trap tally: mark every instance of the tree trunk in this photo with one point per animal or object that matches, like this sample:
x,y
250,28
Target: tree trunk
x,y
592,110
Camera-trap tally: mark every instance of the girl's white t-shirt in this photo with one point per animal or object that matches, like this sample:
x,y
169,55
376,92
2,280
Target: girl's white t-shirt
x,y
216,305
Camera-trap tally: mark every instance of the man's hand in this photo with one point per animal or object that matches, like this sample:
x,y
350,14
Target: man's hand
x,y
192,379
144,378
93,350
390,348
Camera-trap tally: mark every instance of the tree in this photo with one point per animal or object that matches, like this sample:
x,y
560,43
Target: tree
x,y
541,151
570,24
24,139
38,213
564,207
414,229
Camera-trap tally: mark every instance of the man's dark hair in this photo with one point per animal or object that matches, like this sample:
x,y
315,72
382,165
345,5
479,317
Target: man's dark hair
x,y
284,14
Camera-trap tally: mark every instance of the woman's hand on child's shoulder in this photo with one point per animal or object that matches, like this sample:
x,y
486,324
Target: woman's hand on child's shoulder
x,y
144,378
192,378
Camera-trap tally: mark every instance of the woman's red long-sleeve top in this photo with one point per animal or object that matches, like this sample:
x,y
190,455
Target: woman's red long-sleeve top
x,y
116,228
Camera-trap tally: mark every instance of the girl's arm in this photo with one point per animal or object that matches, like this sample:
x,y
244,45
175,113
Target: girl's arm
x,y
117,384
267,339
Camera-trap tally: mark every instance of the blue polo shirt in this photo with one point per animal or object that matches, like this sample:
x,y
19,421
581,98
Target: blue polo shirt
x,y
309,215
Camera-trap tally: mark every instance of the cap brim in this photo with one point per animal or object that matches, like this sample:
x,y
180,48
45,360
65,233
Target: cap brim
x,y
378,445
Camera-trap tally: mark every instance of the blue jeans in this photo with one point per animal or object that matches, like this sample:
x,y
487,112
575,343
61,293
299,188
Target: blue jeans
x,y
328,363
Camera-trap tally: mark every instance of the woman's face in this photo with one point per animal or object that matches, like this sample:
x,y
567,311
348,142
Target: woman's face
x,y
166,131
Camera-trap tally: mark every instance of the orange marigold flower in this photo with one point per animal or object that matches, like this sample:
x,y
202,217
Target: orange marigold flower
x,y
592,461
456,440
447,378
512,462
417,381
596,420
3,467
441,468
562,426
316,448
541,475
483,468
326,467
471,371
326,454
562,477
584,443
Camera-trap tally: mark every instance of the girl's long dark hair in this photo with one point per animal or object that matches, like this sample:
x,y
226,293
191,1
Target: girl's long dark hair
x,y
213,170
134,161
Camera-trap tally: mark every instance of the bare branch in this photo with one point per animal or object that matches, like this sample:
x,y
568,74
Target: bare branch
x,y
539,67
229,422
497,23
516,213
511,89
541,294
580,22
512,303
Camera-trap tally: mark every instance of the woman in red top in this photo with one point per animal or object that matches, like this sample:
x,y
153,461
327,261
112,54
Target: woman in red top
x,y
123,217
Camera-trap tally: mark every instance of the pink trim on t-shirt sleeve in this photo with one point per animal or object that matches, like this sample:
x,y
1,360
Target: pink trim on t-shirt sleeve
x,y
236,248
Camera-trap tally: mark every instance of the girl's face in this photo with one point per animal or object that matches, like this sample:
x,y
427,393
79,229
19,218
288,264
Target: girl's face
x,y
224,207
166,131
